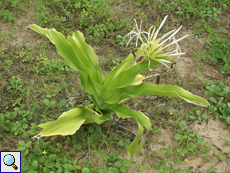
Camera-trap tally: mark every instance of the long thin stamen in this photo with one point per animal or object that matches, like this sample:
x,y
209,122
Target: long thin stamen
x,y
153,46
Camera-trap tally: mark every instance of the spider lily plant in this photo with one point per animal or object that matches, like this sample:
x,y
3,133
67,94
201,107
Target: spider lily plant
x,y
124,81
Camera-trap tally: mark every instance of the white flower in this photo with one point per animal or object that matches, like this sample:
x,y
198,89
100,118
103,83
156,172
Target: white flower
x,y
152,46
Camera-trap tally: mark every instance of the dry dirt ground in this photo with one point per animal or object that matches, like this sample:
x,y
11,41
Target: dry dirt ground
x,y
213,129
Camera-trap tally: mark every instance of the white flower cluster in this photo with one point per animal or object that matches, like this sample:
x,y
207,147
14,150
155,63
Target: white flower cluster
x,y
151,46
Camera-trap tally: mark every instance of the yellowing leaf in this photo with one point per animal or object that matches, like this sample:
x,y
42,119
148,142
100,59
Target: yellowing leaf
x,y
53,137
186,161
138,79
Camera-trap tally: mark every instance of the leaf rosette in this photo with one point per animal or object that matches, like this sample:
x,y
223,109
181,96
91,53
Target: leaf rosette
x,y
124,81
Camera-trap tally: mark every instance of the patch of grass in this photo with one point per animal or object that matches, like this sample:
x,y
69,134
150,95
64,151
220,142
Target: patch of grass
x,y
194,9
49,67
219,96
189,142
17,121
7,36
113,162
197,114
79,15
218,50
10,9
44,158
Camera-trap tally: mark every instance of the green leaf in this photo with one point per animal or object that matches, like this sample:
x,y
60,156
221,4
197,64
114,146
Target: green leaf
x,y
192,117
91,129
121,143
228,120
177,136
53,102
126,77
52,157
206,159
41,159
34,165
113,170
118,164
177,161
145,89
87,102
21,143
46,101
123,169
98,130
228,139
125,163
25,152
211,92
196,152
101,153
155,154
213,99
204,116
79,56
223,105
155,166
142,120
1,117
198,112
206,149
68,123
33,108
21,148
46,170
208,82
63,103
222,158
25,166
212,108
29,117
215,114
169,152
39,167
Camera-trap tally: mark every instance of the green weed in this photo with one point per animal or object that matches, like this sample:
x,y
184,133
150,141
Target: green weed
x,y
77,16
227,141
6,15
113,162
219,96
195,9
44,158
17,121
218,50
190,142
120,40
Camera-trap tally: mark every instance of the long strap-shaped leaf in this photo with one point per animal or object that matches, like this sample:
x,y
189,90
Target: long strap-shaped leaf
x,y
126,77
88,51
69,122
123,111
124,65
80,58
146,88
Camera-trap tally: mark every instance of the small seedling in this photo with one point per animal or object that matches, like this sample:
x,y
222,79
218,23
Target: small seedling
x,y
227,141
120,40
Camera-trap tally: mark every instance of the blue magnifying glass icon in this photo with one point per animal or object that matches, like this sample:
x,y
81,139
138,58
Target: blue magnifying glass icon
x,y
9,160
